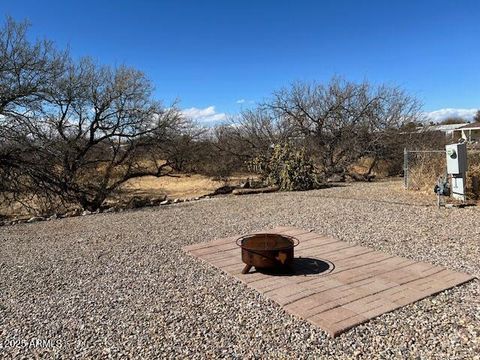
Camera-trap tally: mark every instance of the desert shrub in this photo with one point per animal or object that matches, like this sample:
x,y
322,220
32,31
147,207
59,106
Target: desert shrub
x,y
287,167
453,120
202,156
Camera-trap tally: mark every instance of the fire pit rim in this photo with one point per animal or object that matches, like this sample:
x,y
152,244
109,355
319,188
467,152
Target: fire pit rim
x,y
294,242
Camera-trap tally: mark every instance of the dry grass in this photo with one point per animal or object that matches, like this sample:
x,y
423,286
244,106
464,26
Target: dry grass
x,y
424,171
180,186
473,171
380,170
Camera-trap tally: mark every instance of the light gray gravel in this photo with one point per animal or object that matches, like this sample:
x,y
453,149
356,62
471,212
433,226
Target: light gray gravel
x,y
118,285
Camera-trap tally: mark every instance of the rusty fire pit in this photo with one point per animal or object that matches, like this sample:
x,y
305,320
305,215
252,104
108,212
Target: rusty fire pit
x,y
266,251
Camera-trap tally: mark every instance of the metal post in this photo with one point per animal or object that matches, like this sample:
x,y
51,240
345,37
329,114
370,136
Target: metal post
x,y
405,168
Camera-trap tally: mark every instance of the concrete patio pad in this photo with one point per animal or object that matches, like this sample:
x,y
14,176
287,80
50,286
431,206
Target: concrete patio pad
x,y
334,285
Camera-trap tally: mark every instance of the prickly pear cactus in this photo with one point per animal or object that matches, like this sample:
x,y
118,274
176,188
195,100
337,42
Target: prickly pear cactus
x,y
288,168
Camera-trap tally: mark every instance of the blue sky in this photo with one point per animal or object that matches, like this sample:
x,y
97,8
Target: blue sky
x,y
220,56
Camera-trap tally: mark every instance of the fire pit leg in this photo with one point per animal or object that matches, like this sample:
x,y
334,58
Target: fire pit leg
x,y
246,269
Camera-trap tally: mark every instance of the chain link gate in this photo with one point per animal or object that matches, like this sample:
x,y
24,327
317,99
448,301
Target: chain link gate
x,y
422,168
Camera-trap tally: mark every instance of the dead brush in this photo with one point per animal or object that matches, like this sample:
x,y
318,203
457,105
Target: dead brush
x,y
424,172
473,175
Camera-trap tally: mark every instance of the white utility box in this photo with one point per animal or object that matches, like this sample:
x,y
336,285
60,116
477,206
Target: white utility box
x,y
457,168
456,158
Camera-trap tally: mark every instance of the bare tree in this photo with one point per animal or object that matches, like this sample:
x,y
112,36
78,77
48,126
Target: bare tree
x,y
26,70
253,133
343,121
76,131
476,118
97,128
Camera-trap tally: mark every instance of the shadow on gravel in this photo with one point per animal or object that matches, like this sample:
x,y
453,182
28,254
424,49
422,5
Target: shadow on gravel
x,y
302,267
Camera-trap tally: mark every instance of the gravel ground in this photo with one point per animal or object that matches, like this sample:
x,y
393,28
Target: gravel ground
x,y
118,285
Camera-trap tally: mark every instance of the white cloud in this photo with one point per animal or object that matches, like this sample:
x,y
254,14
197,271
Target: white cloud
x,y
206,115
244,101
442,114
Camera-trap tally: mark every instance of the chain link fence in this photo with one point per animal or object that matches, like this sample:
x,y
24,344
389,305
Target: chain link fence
x,y
422,168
